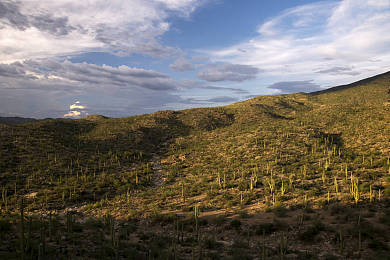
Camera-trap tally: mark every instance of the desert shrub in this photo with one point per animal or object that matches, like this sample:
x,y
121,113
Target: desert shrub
x,y
377,245
235,223
94,223
211,243
219,220
280,211
312,231
336,209
267,228
385,219
5,225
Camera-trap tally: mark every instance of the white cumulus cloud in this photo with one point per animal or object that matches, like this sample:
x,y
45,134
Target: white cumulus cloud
x,y
76,110
77,105
330,41
74,114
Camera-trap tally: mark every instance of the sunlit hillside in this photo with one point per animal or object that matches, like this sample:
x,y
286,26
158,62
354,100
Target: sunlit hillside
x,y
300,176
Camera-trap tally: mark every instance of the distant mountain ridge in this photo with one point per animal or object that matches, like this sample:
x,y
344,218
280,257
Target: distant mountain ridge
x,y
15,120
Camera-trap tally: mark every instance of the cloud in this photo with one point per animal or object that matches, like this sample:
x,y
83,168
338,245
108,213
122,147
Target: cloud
x,y
192,84
339,71
87,75
76,110
326,34
77,105
222,99
287,87
10,15
228,72
235,90
210,101
16,70
31,29
73,114
181,64
45,88
251,96
49,88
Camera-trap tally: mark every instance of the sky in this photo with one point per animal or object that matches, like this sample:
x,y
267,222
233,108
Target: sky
x,y
118,58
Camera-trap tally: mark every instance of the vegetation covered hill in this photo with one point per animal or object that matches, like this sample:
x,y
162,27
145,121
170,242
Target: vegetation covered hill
x,y
15,120
300,176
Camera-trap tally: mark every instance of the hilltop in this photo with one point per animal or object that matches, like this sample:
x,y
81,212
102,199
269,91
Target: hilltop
x,y
297,176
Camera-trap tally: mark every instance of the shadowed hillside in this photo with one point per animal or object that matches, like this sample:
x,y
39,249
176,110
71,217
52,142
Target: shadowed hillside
x,y
15,120
300,176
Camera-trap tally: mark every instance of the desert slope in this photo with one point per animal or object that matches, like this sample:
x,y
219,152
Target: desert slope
x,y
309,171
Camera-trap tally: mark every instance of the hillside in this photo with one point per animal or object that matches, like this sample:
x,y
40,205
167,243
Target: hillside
x,y
300,176
15,120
